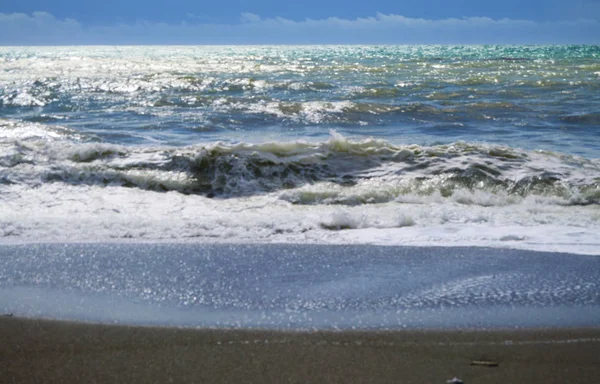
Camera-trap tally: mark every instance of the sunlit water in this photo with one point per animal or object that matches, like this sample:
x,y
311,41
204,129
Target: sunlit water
x,y
422,145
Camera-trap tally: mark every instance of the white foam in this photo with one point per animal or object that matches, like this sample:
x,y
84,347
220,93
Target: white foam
x,y
55,189
11,130
58,212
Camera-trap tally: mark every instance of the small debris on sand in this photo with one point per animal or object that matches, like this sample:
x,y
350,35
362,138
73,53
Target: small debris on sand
x,y
484,363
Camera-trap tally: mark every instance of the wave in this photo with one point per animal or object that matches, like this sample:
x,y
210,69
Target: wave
x,y
43,91
584,118
267,111
335,171
24,99
14,130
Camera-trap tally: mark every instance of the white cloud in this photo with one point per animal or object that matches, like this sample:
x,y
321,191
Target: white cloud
x,y
43,28
247,17
39,28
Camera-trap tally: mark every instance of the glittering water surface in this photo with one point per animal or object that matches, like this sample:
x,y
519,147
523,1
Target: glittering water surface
x,y
471,145
543,96
297,286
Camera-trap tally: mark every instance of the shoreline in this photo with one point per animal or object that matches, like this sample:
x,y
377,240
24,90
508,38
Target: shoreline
x,y
41,350
515,245
300,286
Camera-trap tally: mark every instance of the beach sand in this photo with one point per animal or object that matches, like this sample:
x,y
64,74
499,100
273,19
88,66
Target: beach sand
x,y
47,351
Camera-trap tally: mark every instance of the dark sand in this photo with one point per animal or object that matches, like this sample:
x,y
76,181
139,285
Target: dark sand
x,y
42,351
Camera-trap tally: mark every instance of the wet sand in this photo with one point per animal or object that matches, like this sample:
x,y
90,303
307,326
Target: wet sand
x,y
45,351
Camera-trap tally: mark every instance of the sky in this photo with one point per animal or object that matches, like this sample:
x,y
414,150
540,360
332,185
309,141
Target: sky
x,y
43,22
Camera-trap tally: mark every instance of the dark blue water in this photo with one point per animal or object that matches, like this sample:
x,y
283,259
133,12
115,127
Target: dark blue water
x,y
533,97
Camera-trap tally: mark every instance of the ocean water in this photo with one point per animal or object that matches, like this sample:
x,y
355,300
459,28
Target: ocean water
x,y
291,286
393,145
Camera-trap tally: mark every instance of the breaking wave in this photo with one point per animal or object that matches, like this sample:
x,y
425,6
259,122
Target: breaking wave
x,y
335,171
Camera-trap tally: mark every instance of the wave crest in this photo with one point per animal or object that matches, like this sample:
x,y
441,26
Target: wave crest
x,y
335,171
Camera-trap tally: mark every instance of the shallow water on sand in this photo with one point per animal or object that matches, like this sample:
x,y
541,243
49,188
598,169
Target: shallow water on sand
x,y
300,287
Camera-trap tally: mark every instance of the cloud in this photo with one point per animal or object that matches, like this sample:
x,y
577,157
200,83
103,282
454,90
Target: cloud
x,y
39,28
247,17
42,28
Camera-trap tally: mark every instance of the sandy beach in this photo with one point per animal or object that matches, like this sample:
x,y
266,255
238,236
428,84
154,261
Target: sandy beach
x,y
313,316
46,351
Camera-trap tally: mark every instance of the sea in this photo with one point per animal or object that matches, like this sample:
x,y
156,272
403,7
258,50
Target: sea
x,y
393,145
301,186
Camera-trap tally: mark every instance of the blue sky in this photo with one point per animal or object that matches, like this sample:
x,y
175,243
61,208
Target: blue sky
x,y
299,22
